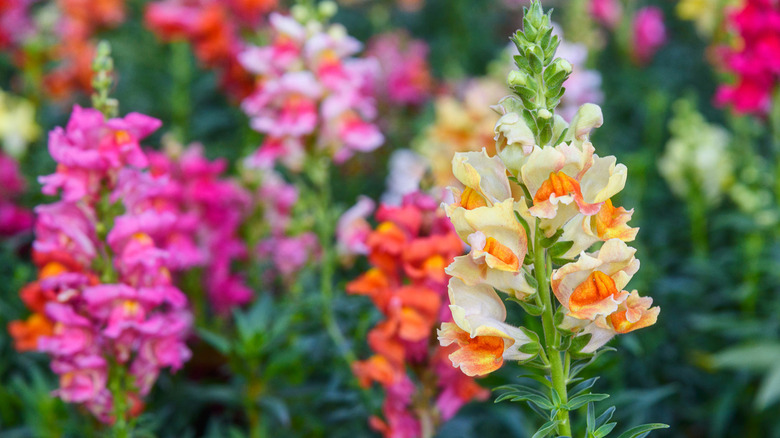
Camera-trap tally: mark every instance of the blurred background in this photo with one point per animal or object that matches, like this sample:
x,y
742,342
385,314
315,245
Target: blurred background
x,y
700,140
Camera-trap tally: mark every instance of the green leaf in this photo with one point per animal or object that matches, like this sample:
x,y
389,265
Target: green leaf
x,y
769,392
531,309
561,261
605,416
759,357
581,400
591,418
531,280
639,430
604,430
579,342
531,348
217,341
546,429
524,224
541,379
526,394
560,248
580,388
550,241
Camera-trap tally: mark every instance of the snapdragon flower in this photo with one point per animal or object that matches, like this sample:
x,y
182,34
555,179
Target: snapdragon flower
x,y
408,251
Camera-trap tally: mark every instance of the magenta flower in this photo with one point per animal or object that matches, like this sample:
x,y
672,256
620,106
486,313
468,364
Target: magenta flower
x,y
404,68
649,34
756,64
353,229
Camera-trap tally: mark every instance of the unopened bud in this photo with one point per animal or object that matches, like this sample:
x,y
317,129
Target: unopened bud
x,y
300,13
544,114
328,9
516,79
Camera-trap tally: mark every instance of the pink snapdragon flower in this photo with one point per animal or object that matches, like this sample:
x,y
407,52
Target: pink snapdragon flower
x,y
606,12
756,61
649,34
211,208
13,218
311,92
108,219
404,68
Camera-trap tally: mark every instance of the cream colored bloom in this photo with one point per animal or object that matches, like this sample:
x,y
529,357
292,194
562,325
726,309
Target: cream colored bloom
x,y
593,285
479,329
17,124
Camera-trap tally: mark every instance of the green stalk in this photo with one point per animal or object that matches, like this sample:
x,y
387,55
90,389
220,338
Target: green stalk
x,y
320,176
121,428
552,337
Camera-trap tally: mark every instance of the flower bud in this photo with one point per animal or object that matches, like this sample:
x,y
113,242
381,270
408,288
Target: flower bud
x,y
516,79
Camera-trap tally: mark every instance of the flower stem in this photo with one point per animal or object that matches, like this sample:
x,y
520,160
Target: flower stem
x,y
121,428
320,175
552,337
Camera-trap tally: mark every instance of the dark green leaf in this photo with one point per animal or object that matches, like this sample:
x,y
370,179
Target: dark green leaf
x,y
639,430
580,400
546,429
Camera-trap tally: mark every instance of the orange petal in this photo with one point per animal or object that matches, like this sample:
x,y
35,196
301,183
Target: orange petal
x,y
482,355
470,199
611,223
559,184
597,287
501,252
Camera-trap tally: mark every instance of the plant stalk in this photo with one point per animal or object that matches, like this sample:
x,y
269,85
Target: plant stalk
x,y
552,337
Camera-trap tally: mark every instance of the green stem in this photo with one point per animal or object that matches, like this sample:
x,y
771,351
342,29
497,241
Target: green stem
x,y
117,384
552,337
180,95
320,175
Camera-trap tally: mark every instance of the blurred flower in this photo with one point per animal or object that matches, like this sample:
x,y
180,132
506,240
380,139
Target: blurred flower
x,y
311,93
649,34
211,210
104,292
707,15
352,229
407,169
404,68
463,122
17,124
409,250
696,160
213,28
13,217
606,12
754,59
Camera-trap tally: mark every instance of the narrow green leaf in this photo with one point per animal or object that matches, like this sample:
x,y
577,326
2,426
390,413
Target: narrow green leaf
x,y
591,418
217,341
579,342
582,387
605,416
604,430
531,280
639,430
769,392
524,224
546,429
550,241
580,400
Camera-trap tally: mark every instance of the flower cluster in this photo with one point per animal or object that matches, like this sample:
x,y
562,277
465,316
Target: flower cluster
x,y
105,308
13,218
211,209
404,68
462,122
562,192
311,93
696,160
214,30
408,251
15,23
754,59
